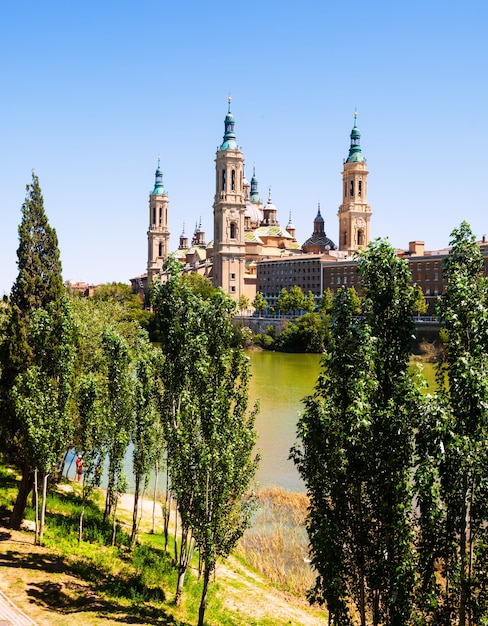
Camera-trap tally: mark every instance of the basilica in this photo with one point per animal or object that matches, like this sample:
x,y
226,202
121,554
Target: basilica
x,y
248,240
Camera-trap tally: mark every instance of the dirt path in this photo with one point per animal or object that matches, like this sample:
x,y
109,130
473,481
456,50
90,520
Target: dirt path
x,y
246,592
44,588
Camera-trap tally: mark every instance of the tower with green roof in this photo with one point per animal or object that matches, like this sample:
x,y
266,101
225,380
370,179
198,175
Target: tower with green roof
x,y
158,231
354,213
229,209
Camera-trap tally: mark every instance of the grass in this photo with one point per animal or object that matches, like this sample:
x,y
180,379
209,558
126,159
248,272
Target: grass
x,y
96,583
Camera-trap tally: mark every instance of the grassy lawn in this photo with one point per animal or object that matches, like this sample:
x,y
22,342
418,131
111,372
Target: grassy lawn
x,y
63,581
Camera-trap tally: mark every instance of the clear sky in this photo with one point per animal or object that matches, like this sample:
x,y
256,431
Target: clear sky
x,y
93,91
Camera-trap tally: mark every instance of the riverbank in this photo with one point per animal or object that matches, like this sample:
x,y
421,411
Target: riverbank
x,y
61,582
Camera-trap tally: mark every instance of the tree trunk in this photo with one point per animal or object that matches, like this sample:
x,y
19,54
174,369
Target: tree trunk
x,y
80,525
114,527
462,555
43,506
36,508
135,509
203,601
186,553
25,488
153,521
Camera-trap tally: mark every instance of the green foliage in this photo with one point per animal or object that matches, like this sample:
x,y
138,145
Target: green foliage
x,y
36,351
356,453
199,285
293,300
452,472
120,416
122,293
260,303
210,435
243,303
39,280
41,395
308,333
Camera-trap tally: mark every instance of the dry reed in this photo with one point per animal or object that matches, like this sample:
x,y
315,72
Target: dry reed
x,y
277,544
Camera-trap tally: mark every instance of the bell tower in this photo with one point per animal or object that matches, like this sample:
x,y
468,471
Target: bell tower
x,y
229,209
354,213
158,232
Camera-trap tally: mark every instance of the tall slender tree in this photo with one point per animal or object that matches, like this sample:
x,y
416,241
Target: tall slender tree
x,y
356,456
120,412
210,434
452,473
38,286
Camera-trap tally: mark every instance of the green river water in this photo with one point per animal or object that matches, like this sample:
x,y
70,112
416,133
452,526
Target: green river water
x,y
280,382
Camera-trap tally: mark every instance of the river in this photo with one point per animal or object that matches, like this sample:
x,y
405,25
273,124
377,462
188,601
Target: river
x,y
279,383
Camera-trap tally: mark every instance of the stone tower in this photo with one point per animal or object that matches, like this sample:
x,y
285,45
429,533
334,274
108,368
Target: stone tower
x,y
354,213
229,209
158,233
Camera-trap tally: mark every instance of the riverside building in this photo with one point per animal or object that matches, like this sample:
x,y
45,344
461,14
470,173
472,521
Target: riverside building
x,y
251,252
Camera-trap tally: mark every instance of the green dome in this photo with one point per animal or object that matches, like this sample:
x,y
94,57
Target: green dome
x,y
229,142
355,154
158,184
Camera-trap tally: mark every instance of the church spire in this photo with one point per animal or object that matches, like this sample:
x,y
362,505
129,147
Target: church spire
x,y
229,142
158,185
355,154
254,186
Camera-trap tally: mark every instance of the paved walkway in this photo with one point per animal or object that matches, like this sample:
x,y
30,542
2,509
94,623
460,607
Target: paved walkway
x,y
10,615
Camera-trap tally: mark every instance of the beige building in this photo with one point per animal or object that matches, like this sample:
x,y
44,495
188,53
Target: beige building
x,y
354,213
247,234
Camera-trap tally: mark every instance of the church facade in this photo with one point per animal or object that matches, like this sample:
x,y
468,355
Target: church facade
x,y
248,239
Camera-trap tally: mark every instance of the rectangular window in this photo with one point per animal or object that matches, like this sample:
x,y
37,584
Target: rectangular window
x,y
232,276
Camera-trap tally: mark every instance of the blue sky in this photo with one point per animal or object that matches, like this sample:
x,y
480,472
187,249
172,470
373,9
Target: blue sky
x,y
92,92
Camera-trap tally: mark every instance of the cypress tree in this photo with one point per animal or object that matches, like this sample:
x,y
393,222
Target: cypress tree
x,y
38,285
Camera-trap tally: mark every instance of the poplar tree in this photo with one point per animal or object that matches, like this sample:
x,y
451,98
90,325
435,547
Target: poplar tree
x,y
356,456
38,286
210,433
452,474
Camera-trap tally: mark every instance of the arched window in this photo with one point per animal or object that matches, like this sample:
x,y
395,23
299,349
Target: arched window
x,y
160,249
154,215
359,188
224,182
233,181
351,188
232,231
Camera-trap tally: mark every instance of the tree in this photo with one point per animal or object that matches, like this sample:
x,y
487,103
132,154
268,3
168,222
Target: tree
x,y
283,301
243,303
309,302
357,449
199,285
210,436
122,293
41,395
120,415
296,299
452,474
146,432
260,303
38,286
